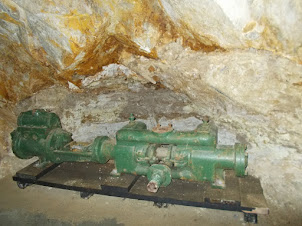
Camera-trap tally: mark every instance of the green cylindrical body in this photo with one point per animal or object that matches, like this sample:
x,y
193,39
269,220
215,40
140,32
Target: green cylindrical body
x,y
137,132
191,155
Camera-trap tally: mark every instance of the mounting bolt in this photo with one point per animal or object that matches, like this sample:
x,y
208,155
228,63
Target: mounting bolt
x,y
158,175
131,118
206,119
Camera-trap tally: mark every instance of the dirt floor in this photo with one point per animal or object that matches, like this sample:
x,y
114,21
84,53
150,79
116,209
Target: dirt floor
x,y
38,205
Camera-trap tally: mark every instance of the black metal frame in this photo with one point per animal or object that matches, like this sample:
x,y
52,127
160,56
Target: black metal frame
x,y
116,191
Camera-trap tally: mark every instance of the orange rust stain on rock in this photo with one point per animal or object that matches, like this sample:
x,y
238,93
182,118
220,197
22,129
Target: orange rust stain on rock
x,y
196,41
70,58
90,28
100,53
101,48
197,45
156,78
75,48
189,37
270,36
3,90
297,84
40,55
143,13
134,49
25,76
13,91
38,82
151,69
105,49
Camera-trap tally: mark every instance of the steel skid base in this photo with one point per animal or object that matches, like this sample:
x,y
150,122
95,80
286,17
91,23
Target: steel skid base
x,y
241,194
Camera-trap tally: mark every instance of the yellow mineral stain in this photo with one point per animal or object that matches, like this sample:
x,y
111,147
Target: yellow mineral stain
x,y
270,36
75,48
103,43
89,26
3,36
82,22
54,43
106,46
39,75
250,26
6,17
13,8
98,54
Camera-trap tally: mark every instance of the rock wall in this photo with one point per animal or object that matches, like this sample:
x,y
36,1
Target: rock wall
x,y
238,61
49,42
256,95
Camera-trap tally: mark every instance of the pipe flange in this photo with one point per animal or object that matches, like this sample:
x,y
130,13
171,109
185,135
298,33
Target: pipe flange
x,y
158,175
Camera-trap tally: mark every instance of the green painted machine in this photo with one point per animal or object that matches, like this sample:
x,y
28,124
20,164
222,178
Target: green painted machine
x,y
160,154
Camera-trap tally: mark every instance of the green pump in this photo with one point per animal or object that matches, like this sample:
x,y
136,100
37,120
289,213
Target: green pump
x,y
160,154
